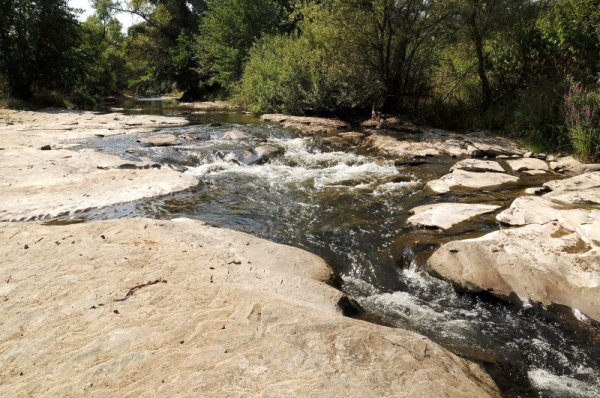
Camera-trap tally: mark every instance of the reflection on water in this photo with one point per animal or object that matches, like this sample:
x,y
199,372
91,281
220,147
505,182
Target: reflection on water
x,y
350,208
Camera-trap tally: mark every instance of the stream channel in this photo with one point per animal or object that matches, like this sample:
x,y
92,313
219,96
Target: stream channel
x,y
349,206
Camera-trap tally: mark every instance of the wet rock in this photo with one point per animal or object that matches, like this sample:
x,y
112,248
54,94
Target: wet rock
x,y
266,152
543,263
528,165
536,190
469,180
477,165
187,137
235,135
446,215
581,189
308,125
159,140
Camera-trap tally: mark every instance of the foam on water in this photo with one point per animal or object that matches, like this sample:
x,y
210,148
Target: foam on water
x,y
562,386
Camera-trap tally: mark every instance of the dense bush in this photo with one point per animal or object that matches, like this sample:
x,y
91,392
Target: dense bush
x,y
583,121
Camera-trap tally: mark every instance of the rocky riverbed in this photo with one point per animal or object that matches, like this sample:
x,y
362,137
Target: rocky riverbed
x,y
138,306
377,202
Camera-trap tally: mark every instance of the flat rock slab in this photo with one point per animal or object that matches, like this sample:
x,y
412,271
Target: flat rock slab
x,y
583,189
37,184
539,210
422,141
478,165
139,307
469,180
159,140
59,127
308,125
528,165
446,215
543,263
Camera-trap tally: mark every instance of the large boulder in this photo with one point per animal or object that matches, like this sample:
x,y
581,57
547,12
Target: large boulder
x,y
143,307
446,215
469,180
544,263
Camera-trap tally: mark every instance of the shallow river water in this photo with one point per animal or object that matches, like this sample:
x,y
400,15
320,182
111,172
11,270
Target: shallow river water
x,y
350,207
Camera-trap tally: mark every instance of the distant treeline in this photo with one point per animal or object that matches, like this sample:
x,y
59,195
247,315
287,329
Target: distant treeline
x,y
527,67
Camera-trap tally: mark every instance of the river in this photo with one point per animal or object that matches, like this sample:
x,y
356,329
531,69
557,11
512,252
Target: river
x,y
350,206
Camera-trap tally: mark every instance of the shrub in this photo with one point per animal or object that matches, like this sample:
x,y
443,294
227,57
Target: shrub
x,y
582,109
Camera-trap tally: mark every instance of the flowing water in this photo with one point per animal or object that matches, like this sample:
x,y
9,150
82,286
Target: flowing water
x,y
350,206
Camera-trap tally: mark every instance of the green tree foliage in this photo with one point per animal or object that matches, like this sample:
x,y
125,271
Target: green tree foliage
x,y
103,69
159,47
228,31
37,39
349,54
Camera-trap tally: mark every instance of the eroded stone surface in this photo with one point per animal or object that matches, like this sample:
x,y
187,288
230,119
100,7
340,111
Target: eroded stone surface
x,y
145,307
544,263
528,165
38,183
469,180
446,215
309,125
235,135
478,165
582,189
60,127
159,140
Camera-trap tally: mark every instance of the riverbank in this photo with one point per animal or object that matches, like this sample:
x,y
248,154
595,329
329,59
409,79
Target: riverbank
x,y
138,306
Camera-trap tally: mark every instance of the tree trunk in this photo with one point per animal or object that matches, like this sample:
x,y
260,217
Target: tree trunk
x,y
486,92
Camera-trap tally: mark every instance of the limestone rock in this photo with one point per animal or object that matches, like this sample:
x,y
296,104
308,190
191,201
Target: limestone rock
x,y
544,263
469,180
528,164
28,129
266,152
581,189
571,165
210,106
539,210
308,125
235,135
446,215
390,146
176,308
160,140
478,165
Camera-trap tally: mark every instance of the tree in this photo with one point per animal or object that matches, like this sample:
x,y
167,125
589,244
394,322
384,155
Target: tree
x,y
159,47
228,31
37,39
102,63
